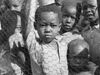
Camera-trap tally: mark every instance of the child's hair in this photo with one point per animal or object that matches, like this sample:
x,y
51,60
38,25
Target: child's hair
x,y
48,8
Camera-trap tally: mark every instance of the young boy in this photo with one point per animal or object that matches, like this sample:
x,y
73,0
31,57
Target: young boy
x,y
70,16
32,5
68,30
46,50
70,19
78,58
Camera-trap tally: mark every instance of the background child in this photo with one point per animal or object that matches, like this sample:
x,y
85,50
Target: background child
x,y
13,29
70,19
78,58
70,16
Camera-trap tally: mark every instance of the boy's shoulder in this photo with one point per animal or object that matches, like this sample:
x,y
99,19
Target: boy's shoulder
x,y
67,37
71,35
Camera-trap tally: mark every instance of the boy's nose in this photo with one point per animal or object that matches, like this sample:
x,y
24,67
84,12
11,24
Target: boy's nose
x,y
48,28
88,9
69,19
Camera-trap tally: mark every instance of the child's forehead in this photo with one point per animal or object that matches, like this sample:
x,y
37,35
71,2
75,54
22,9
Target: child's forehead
x,y
90,2
69,10
49,17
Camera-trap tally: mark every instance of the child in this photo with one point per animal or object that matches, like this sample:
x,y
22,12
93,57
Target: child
x,y
90,13
70,16
12,22
70,19
46,50
13,27
78,58
32,5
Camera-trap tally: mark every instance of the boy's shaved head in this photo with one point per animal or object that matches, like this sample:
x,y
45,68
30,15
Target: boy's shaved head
x,y
69,9
68,5
70,14
48,8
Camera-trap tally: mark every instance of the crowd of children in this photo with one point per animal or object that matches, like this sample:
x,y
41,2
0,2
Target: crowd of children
x,y
55,37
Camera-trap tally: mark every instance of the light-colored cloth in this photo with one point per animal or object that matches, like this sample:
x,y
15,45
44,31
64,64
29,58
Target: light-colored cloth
x,y
51,56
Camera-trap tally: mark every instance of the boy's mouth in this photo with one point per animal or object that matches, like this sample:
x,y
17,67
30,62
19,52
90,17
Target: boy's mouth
x,y
90,15
67,26
48,35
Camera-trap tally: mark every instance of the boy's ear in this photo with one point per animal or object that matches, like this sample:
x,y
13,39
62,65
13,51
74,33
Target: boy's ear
x,y
35,25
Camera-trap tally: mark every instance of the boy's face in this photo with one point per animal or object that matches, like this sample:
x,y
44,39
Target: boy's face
x,y
90,12
49,26
69,17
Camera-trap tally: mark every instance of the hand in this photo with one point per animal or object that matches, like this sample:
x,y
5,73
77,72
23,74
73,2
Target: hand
x,y
16,39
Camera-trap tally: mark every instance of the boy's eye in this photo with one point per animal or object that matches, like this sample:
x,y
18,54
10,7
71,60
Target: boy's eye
x,y
73,17
43,24
65,15
53,25
14,5
89,6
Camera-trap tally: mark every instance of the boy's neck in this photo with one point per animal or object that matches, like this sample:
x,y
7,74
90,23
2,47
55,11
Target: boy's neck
x,y
62,31
44,42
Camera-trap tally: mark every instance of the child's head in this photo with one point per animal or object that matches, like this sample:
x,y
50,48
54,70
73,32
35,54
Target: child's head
x,y
47,22
90,9
69,12
78,55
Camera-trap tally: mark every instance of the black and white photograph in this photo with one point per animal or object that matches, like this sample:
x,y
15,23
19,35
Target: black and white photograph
x,y
49,37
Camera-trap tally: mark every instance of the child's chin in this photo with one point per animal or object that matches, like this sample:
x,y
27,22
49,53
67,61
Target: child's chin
x,y
48,40
67,28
